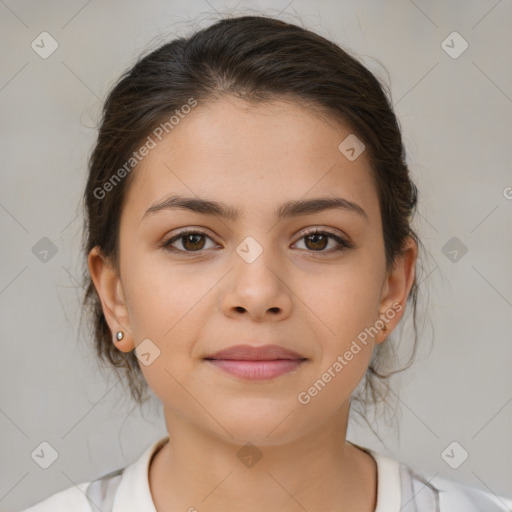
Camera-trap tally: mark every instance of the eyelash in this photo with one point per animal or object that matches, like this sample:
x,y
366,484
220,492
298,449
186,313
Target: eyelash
x,y
344,244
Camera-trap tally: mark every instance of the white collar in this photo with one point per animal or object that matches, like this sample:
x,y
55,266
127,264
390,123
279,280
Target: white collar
x,y
389,486
133,492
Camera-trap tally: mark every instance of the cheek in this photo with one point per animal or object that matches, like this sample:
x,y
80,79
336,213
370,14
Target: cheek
x,y
346,309
165,308
160,293
349,298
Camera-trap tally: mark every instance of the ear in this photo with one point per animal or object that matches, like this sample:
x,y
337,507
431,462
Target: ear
x,y
110,290
396,288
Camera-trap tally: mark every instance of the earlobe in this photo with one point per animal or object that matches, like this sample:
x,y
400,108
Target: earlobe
x,y
396,289
109,288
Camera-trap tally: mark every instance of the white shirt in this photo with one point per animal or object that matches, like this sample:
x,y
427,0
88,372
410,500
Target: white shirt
x,y
399,489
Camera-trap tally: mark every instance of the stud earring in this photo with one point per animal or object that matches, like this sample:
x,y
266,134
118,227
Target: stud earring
x,y
119,335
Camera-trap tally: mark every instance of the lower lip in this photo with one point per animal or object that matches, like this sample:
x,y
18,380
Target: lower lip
x,y
257,370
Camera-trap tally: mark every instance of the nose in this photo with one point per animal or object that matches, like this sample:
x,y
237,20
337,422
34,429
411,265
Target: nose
x,y
257,290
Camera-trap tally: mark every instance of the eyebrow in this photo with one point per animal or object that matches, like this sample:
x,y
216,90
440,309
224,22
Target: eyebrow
x,y
286,210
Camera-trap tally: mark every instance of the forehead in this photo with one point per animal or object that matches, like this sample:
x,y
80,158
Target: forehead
x,y
252,156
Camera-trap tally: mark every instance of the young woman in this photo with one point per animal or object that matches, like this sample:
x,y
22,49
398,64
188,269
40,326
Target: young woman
x,y
249,254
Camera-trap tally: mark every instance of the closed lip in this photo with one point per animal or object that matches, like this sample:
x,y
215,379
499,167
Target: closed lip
x,y
252,353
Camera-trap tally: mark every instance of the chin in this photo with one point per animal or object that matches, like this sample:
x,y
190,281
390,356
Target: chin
x,y
260,428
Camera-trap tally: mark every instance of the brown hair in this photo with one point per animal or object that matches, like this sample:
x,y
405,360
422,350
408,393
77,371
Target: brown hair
x,y
255,58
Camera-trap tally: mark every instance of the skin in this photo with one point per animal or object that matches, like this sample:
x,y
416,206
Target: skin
x,y
254,158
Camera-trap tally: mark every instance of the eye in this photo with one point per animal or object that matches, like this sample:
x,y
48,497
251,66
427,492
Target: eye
x,y
194,241
191,241
319,240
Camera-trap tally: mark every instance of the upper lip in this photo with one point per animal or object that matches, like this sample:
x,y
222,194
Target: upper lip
x,y
252,353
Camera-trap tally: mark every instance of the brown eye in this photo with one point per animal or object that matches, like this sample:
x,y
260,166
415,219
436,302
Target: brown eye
x,y
318,241
315,242
191,241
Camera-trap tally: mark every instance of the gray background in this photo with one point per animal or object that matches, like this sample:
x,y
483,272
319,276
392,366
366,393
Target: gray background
x,y
456,120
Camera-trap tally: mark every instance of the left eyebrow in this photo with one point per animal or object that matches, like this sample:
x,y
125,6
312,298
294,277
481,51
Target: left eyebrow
x,y
286,210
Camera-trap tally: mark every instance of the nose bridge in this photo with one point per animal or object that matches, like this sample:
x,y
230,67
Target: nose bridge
x,y
258,242
256,264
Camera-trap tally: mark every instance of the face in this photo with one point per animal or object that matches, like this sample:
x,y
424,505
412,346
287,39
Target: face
x,y
192,283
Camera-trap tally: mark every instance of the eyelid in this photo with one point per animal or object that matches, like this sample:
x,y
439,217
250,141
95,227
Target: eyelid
x,y
329,231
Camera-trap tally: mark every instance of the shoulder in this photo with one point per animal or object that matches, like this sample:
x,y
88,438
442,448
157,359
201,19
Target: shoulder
x,y
406,488
455,497
92,496
447,495
68,499
121,490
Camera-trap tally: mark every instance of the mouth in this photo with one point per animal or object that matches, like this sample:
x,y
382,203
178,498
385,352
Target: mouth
x,y
256,363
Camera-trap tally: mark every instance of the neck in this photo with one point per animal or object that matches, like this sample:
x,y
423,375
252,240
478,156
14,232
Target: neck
x,y
318,471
